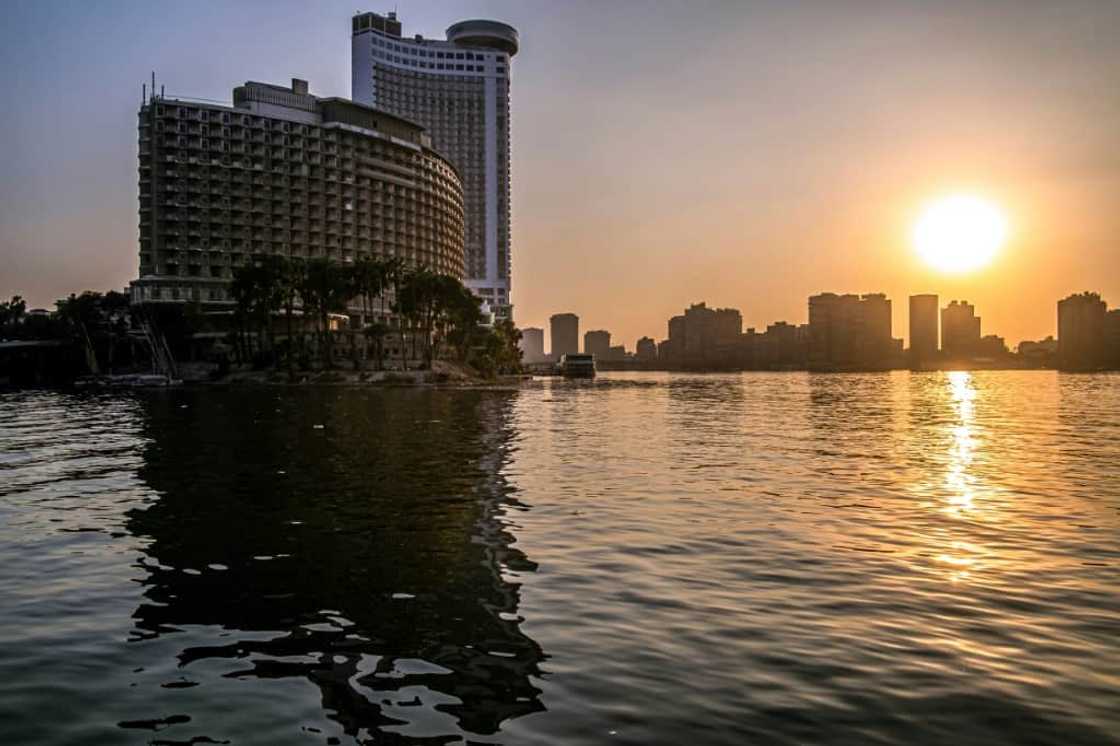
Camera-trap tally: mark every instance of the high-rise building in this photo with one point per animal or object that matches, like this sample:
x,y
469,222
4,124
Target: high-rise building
x,y
874,333
1039,354
960,330
923,329
1081,332
850,331
646,350
597,343
532,344
1112,339
832,329
459,89
564,328
705,329
283,172
782,346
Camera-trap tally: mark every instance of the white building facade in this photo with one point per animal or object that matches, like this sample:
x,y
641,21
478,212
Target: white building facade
x,y
458,89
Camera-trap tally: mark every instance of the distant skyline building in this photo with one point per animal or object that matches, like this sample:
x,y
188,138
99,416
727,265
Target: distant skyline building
x,y
564,334
1112,339
782,345
705,329
532,344
703,336
960,329
924,314
459,89
285,173
1082,332
597,343
854,332
850,332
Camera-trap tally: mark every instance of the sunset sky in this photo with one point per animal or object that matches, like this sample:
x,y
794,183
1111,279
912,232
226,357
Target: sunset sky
x,y
747,154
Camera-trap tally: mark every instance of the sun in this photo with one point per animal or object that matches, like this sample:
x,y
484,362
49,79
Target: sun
x,y
959,233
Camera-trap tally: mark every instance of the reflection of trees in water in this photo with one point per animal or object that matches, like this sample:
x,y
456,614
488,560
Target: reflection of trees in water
x,y
269,522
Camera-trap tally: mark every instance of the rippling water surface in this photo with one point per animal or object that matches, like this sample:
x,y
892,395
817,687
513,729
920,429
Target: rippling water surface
x,y
639,559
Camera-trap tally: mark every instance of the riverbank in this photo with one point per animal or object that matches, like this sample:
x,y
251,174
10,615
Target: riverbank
x,y
442,374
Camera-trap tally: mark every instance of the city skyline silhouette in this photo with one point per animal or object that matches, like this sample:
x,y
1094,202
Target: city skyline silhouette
x,y
746,156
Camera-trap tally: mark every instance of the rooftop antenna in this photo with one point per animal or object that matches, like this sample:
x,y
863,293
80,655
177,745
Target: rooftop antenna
x,y
153,83
143,93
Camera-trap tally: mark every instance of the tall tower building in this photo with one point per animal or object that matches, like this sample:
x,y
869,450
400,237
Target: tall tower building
x,y
923,329
565,334
457,89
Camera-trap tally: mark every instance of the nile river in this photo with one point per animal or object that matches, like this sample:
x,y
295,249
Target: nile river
x,y
638,559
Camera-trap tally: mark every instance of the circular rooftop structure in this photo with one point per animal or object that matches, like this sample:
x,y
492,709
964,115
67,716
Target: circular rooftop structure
x,y
489,34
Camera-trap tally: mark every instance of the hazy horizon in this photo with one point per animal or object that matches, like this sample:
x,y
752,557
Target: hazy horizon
x,y
746,155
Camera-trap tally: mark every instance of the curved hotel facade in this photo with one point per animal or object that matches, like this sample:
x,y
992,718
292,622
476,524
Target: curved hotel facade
x,y
282,172
458,89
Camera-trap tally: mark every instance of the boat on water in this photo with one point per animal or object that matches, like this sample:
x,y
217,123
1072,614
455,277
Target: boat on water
x,y
577,366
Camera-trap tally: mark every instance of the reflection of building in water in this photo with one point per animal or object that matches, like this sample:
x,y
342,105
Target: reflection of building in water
x,y
362,546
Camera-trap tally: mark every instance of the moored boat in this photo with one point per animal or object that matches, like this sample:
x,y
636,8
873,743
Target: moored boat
x,y
577,366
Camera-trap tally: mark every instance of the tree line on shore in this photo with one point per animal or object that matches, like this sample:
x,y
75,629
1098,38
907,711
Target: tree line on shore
x,y
419,314
428,314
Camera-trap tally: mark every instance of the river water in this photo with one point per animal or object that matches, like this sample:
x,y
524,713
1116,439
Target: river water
x,y
639,559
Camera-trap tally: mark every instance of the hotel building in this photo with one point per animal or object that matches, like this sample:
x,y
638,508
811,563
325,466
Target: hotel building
x,y
283,172
458,89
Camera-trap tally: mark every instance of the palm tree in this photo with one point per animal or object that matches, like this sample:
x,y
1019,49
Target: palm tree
x,y
289,278
326,289
12,312
463,318
377,331
81,312
367,279
509,352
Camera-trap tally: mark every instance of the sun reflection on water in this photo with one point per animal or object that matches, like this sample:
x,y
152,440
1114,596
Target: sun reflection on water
x,y
960,479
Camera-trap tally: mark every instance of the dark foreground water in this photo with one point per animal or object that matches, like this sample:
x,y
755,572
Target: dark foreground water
x,y
641,559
